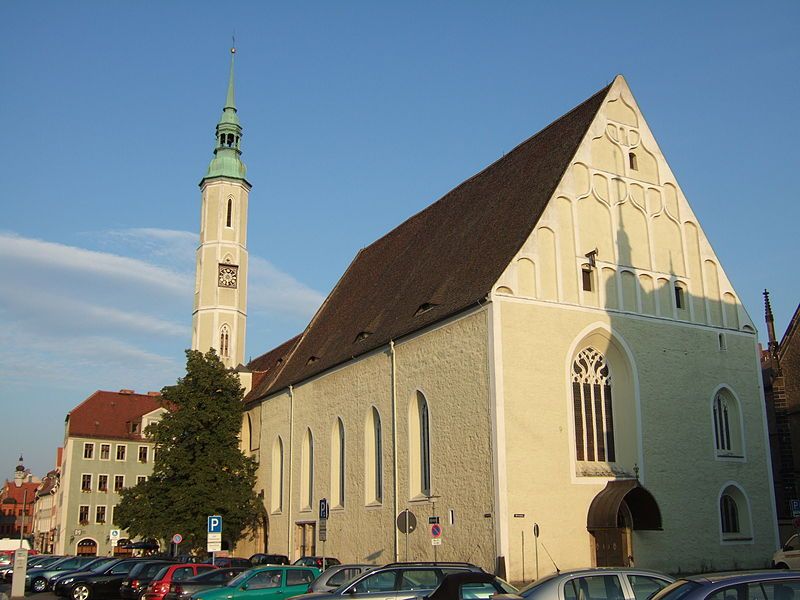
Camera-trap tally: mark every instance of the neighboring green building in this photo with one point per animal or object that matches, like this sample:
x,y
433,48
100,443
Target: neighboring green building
x,y
104,451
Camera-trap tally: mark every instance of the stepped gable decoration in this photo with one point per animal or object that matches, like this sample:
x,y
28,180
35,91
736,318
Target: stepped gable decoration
x,y
425,270
108,414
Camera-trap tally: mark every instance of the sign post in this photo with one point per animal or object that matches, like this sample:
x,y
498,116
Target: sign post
x,y
214,543
406,523
324,512
436,536
536,547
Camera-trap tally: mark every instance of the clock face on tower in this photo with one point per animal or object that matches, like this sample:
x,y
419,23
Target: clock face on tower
x,y
228,275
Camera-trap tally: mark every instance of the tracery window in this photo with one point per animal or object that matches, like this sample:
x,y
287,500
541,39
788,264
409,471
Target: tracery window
x,y
592,407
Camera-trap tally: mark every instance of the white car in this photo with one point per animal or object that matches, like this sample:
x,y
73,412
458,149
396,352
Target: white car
x,y
788,557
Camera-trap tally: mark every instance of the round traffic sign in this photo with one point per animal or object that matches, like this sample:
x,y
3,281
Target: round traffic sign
x,y
406,521
436,530
796,522
177,538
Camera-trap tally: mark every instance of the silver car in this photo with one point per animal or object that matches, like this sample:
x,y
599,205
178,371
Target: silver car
x,y
395,581
336,576
605,583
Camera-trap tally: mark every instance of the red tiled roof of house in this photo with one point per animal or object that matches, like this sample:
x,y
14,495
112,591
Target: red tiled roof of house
x,y
440,261
110,414
16,494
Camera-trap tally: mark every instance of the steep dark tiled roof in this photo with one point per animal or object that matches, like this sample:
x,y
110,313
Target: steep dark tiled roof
x,y
109,414
442,260
266,366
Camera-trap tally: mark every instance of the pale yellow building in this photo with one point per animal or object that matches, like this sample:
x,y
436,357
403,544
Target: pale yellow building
x,y
552,345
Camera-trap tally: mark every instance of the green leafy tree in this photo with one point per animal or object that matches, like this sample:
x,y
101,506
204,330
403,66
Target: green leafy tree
x,y
199,469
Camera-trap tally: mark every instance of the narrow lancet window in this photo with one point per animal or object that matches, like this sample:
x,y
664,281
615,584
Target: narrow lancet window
x,y
229,216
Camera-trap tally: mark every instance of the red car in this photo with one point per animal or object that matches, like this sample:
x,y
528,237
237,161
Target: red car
x,y
170,574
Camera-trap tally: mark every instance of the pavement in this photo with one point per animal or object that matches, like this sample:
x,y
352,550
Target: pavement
x,y
5,594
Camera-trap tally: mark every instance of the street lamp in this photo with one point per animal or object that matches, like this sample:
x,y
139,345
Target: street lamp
x,y
21,555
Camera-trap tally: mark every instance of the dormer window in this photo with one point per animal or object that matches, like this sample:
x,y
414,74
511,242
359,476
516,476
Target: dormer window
x,y
362,336
312,360
424,307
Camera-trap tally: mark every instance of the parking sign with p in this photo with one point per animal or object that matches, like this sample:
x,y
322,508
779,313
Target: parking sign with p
x,y
214,524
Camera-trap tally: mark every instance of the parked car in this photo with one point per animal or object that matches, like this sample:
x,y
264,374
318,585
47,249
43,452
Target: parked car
x,y
103,582
269,559
135,584
473,586
788,557
37,579
337,575
96,566
321,562
224,562
602,583
395,580
264,583
159,586
752,585
183,590
34,562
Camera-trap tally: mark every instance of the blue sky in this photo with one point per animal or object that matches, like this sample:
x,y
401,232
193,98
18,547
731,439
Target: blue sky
x,y
356,115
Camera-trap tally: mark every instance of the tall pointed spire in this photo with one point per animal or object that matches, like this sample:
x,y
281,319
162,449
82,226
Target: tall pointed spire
x,y
230,101
773,342
227,160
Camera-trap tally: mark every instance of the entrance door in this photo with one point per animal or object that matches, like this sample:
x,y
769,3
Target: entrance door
x,y
305,539
613,545
87,547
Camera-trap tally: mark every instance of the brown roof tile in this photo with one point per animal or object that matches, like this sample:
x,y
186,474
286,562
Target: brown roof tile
x,y
109,414
442,260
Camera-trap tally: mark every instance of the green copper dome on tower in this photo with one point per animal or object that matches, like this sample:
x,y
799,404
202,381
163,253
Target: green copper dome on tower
x,y
227,160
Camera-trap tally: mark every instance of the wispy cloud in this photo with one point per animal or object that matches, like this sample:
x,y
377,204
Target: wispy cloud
x,y
113,267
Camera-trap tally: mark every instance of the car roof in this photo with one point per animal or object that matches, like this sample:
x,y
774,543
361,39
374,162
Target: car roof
x,y
730,577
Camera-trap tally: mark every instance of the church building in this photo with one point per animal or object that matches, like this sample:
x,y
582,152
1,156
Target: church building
x,y
550,359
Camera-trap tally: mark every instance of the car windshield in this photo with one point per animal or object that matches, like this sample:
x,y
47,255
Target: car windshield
x,y
99,564
539,582
677,590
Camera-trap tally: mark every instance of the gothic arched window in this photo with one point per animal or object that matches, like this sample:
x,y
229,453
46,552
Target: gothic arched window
x,y
727,425
337,463
307,472
229,215
277,475
729,514
224,341
592,407
373,455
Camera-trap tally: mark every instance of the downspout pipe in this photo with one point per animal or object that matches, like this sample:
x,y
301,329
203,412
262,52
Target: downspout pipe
x,y
394,448
291,470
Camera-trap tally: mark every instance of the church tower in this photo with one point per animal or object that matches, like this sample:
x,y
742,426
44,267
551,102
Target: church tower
x,y
220,295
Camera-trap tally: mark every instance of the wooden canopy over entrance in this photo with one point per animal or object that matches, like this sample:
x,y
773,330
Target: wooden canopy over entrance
x,y
604,510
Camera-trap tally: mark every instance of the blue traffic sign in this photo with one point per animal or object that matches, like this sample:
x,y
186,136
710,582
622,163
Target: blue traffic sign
x,y
324,509
795,503
215,524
